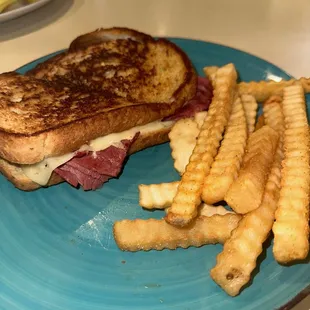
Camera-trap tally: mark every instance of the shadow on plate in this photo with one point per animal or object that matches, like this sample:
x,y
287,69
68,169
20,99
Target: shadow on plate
x,y
35,20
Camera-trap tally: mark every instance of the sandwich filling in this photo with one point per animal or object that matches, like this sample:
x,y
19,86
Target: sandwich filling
x,y
102,159
98,161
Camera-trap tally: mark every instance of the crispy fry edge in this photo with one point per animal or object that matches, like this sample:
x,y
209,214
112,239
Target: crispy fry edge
x,y
237,261
291,228
227,162
184,206
153,234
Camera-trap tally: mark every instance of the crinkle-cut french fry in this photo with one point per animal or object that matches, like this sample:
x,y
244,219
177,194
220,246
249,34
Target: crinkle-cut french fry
x,y
184,206
153,234
271,105
246,193
273,114
260,122
209,210
291,228
160,196
274,118
157,196
210,72
250,109
227,162
183,137
236,262
262,90
240,252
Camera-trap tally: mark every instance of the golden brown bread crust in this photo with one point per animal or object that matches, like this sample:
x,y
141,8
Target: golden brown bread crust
x,y
101,35
92,38
16,176
40,136
153,138
32,149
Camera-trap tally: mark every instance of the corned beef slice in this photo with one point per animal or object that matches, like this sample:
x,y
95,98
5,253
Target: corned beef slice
x,y
92,170
88,179
200,102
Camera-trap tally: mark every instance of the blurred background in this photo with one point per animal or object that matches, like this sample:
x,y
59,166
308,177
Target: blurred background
x,y
275,30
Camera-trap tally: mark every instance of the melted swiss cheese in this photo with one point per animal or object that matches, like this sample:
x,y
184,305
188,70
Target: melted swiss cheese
x,y
42,171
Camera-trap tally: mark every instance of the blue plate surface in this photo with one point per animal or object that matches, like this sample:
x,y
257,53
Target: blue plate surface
x,y
57,249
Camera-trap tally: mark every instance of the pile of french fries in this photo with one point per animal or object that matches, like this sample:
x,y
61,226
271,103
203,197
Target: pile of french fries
x,y
258,165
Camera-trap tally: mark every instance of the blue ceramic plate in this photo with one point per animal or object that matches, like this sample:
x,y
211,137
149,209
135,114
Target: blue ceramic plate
x,y
57,249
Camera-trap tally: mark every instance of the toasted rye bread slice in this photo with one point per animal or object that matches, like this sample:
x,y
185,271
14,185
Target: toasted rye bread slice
x,y
90,92
16,176
107,34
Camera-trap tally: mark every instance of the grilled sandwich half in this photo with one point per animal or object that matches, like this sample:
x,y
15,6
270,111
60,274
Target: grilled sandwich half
x,y
105,97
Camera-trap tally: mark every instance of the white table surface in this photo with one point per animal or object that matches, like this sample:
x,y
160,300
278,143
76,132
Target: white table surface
x,y
276,30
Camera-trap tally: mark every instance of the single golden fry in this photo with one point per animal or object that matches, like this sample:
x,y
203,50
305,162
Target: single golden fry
x,y
210,73
184,207
274,118
262,90
183,137
152,234
291,228
273,114
271,105
236,262
157,196
250,108
260,122
160,196
227,163
246,193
